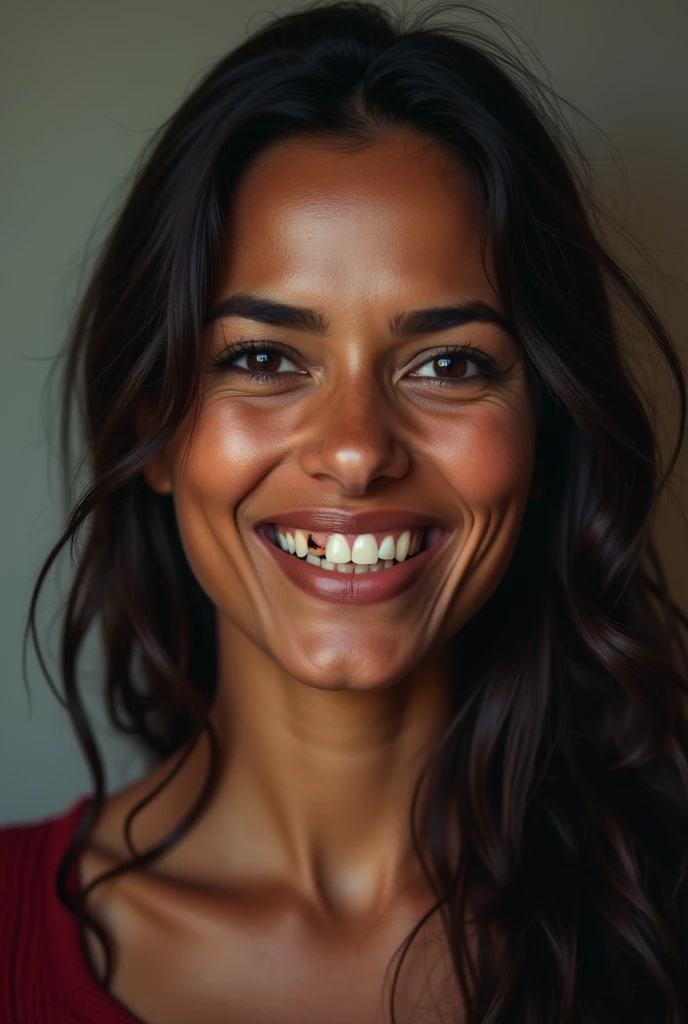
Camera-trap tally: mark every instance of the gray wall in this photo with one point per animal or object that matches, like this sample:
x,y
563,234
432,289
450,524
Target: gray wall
x,y
82,85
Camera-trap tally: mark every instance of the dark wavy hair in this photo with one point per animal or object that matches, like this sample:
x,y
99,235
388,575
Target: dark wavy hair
x,y
566,753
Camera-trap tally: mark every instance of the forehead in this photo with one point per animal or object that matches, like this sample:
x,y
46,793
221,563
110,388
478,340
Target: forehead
x,y
398,214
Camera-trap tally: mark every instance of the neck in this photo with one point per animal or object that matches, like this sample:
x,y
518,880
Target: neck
x,y
315,786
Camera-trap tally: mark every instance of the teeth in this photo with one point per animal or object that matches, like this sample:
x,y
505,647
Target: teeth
x,y
387,548
403,546
363,556
337,549
364,551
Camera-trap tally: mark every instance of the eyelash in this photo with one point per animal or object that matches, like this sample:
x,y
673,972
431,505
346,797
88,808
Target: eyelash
x,y
490,368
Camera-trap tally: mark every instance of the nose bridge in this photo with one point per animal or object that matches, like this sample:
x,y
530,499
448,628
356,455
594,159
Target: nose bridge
x,y
354,435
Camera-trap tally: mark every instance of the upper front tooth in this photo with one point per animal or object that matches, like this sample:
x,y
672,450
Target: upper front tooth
x,y
364,551
337,549
301,543
387,548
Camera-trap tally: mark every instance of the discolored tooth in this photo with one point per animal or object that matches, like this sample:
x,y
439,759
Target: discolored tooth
x,y
376,567
403,545
386,549
301,543
389,563
313,559
316,543
324,564
361,568
345,567
338,549
415,542
291,544
364,551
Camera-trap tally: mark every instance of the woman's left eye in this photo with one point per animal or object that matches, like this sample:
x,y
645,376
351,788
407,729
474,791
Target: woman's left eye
x,y
451,364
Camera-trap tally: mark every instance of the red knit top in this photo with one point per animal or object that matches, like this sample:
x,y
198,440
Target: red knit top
x,y
45,976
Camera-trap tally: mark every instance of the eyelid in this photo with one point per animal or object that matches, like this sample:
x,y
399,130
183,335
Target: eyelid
x,y
489,366
463,348
244,346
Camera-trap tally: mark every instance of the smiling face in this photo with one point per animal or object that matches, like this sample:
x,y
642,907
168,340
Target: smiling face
x,y
354,414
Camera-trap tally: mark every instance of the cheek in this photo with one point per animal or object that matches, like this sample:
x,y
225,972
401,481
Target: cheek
x,y
233,447
487,458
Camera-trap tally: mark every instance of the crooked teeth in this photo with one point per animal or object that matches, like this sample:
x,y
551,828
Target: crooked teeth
x,y
363,556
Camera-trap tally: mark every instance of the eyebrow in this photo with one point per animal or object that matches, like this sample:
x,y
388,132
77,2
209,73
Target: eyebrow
x,y
401,325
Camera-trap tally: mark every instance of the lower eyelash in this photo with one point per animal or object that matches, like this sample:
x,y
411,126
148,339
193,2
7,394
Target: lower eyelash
x,y
489,367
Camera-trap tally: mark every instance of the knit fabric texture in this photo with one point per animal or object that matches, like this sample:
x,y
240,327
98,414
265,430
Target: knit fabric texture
x,y
45,977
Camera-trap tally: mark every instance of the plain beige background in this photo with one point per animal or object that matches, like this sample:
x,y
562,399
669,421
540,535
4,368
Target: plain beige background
x,y
83,83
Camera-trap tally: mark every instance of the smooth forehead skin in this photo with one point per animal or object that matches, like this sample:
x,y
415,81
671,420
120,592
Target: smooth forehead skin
x,y
305,209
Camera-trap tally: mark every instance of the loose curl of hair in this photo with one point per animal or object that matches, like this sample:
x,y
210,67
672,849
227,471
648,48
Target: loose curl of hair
x,y
566,753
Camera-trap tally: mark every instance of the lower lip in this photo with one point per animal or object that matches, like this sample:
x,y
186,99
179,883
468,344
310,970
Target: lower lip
x,y
353,588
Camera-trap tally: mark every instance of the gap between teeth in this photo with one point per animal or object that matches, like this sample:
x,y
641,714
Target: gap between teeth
x,y
407,545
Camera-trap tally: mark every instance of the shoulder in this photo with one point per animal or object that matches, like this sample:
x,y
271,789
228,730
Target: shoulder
x,y
29,851
22,857
29,856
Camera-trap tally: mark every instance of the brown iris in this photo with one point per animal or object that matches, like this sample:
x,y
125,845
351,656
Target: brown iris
x,y
266,361
444,363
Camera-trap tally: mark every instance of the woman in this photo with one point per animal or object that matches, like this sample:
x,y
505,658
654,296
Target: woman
x,y
368,544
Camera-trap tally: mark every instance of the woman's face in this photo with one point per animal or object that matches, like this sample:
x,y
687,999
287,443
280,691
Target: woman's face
x,y
352,417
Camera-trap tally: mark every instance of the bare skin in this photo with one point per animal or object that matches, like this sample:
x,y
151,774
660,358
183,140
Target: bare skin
x,y
288,899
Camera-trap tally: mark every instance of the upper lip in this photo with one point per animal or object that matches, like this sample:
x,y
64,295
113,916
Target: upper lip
x,y
337,520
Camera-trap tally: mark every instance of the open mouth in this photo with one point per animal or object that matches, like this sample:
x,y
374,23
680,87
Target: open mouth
x,y
353,554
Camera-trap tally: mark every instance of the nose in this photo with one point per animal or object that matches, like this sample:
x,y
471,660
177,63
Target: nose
x,y
355,440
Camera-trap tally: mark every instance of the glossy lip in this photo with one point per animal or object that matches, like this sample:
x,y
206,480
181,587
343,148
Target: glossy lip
x,y
339,520
353,588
